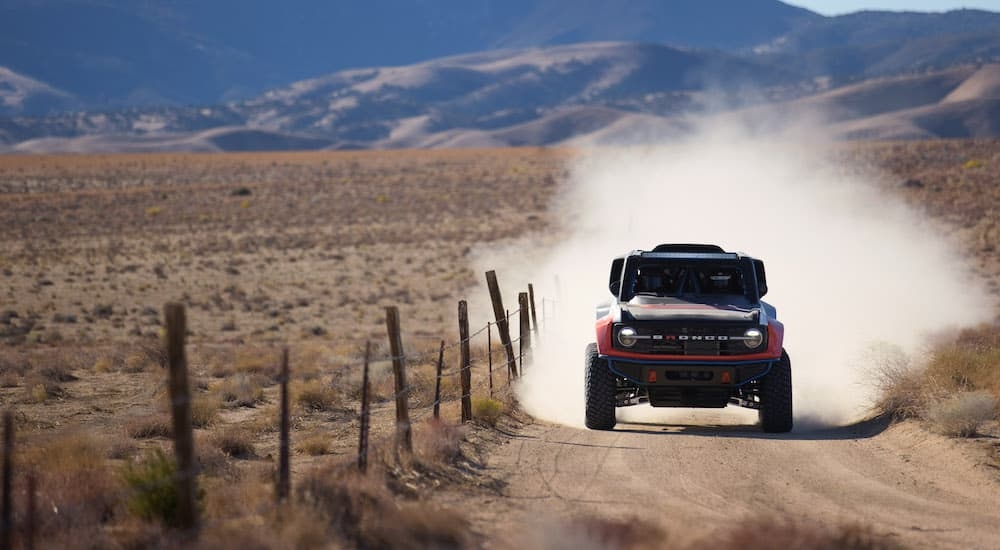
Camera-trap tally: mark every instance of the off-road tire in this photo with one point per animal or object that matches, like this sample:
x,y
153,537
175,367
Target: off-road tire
x,y
600,391
776,397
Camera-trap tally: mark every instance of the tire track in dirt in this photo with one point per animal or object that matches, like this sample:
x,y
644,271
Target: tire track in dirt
x,y
694,476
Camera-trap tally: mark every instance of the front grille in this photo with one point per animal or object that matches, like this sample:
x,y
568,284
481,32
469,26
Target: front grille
x,y
701,339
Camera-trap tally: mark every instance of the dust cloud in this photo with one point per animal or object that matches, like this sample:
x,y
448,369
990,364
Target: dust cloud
x,y
847,265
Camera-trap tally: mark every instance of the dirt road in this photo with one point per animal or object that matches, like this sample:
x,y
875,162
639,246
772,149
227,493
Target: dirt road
x,y
700,472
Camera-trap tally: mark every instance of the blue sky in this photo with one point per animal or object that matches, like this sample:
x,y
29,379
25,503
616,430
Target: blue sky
x,y
837,7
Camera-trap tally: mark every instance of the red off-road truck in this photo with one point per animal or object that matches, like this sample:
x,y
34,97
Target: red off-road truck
x,y
687,328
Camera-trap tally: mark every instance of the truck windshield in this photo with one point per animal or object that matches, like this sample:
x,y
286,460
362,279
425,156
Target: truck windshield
x,y
684,279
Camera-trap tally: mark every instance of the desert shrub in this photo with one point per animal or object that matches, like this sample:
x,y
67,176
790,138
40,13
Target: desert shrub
x,y
487,410
898,384
363,512
235,442
961,414
80,492
764,533
266,421
204,410
968,363
315,395
40,388
241,390
153,425
438,442
153,491
315,445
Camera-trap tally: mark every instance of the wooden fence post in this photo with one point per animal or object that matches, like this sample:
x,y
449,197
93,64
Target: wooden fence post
x,y
180,399
531,298
489,350
437,384
503,326
466,376
284,468
7,503
525,326
404,433
365,415
29,514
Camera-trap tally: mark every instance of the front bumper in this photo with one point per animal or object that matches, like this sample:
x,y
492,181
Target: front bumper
x,y
661,372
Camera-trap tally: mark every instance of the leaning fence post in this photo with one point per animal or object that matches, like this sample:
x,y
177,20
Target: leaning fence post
x,y
437,384
180,400
503,325
365,414
463,334
284,469
531,298
404,433
7,505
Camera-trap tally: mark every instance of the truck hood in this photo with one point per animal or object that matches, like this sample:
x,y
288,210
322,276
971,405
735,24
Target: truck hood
x,y
670,309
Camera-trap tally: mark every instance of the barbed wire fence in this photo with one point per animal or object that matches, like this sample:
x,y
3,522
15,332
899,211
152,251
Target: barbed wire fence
x,y
22,527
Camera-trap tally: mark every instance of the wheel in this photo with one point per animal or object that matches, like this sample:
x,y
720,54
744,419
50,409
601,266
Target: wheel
x,y
600,391
776,397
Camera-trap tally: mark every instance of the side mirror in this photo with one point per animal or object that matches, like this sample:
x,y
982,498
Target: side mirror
x,y
758,267
615,279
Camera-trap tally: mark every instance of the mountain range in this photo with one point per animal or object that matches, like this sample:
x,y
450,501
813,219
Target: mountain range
x,y
180,74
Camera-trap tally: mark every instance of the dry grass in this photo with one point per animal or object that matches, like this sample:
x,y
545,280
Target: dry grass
x,y
234,442
204,410
148,426
241,390
487,410
956,391
315,444
83,293
962,414
439,443
315,395
80,490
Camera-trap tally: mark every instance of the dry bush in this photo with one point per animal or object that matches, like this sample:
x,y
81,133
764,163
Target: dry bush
x,y
40,388
438,442
487,410
314,444
241,390
364,513
592,533
264,362
204,410
268,420
79,491
212,462
961,414
234,442
899,385
315,395
287,527
148,426
765,533
969,363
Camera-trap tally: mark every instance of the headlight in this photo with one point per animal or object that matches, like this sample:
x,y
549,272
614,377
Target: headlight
x,y
626,337
753,338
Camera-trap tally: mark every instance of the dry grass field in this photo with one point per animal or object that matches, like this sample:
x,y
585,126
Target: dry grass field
x,y
298,249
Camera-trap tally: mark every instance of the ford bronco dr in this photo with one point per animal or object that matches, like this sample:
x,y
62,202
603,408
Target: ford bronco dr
x,y
687,328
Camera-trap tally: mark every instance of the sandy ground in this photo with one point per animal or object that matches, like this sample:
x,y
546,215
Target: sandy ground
x,y
714,468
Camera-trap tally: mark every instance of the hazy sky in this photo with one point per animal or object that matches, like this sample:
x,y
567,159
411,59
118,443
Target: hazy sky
x,y
836,7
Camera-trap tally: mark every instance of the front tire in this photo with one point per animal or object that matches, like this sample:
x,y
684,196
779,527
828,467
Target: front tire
x,y
600,391
776,397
